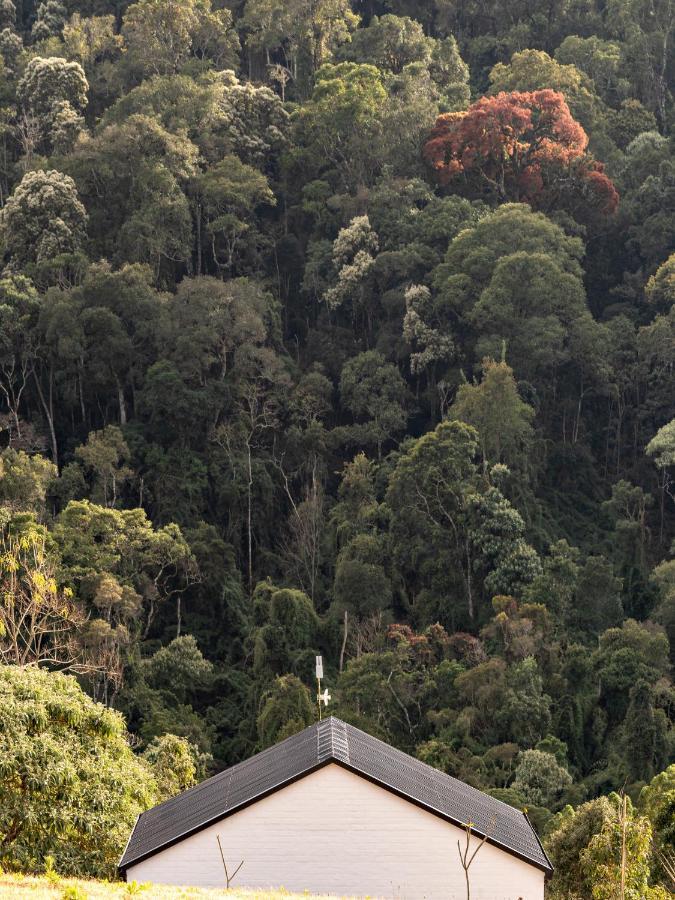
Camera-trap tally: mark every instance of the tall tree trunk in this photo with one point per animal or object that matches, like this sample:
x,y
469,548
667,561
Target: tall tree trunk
x,y
198,218
249,517
80,390
345,632
469,586
122,403
48,407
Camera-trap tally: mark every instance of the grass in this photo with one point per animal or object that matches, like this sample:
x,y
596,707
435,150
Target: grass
x,y
24,887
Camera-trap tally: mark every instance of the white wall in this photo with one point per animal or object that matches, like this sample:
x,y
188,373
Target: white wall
x,y
334,832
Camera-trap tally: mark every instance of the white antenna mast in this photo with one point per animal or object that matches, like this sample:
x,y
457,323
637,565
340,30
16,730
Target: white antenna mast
x,y
320,697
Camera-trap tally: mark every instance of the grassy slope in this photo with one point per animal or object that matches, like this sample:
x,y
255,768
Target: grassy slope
x,y
15,887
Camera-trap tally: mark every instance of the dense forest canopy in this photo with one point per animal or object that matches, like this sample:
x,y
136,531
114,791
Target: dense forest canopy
x,y
343,328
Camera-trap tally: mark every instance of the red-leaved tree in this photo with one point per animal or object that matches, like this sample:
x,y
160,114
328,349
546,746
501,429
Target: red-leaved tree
x,y
523,147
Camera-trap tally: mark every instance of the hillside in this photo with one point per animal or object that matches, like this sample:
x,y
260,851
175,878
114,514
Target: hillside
x,y
339,328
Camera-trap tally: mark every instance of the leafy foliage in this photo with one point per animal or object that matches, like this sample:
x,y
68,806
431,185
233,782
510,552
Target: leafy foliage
x,y
71,786
518,146
343,328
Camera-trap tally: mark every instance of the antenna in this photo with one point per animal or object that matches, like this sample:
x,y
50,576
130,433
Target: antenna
x,y
320,697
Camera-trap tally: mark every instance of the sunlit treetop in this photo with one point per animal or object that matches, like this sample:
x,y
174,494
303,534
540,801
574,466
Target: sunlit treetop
x,y
522,146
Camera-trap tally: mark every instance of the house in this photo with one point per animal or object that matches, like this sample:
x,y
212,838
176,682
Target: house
x,y
334,810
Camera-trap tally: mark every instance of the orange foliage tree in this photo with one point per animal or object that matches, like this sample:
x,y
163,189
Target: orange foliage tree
x,y
519,146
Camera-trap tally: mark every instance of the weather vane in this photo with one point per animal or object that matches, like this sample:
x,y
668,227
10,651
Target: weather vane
x,y
320,697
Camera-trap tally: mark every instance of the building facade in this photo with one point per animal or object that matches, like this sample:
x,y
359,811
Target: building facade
x,y
362,820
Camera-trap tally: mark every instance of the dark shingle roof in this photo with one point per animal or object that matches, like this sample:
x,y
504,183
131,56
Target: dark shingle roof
x,y
332,741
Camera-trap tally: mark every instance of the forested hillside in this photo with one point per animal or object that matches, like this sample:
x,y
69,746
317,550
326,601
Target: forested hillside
x,y
344,328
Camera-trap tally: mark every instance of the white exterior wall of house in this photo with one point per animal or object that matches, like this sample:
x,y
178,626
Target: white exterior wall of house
x,y
334,832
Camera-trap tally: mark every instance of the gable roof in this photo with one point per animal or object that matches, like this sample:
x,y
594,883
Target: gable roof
x,y
333,741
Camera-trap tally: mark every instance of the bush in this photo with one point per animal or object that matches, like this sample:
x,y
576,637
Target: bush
x,y
70,786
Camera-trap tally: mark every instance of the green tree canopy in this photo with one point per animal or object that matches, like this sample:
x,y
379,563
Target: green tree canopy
x,y
44,218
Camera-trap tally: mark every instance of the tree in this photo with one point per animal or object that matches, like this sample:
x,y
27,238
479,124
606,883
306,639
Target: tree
x,y
304,480
556,586
626,656
464,857
211,325
261,381
385,691
518,631
25,481
171,759
494,408
341,124
131,178
113,322
616,858
628,511
572,830
645,731
256,122
226,196
644,27
19,308
539,334
7,14
539,778
660,289
155,563
515,276
179,668
54,92
105,454
91,40
162,34
428,344
71,786
44,218
285,709
285,634
657,802
51,17
303,31
39,620
535,70
631,120
523,709
663,577
354,254
451,74
220,114
51,80
519,146
662,449
427,494
497,532
511,228
160,696
601,60
372,389
448,535
362,590
389,42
